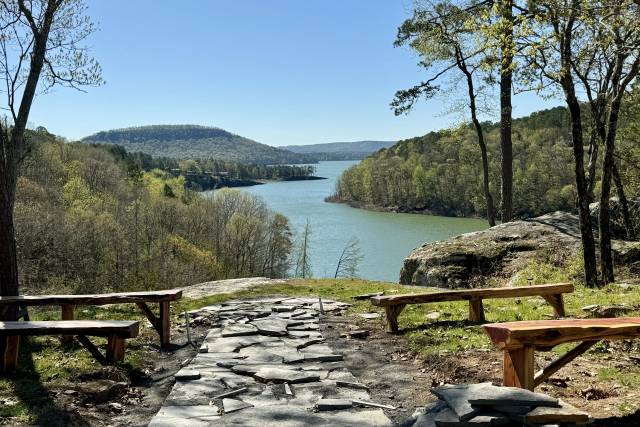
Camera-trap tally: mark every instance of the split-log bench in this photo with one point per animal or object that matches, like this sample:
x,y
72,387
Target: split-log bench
x,y
161,323
519,340
394,304
116,332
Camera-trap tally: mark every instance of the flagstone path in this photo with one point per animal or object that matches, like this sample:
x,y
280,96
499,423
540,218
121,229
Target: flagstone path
x,y
265,363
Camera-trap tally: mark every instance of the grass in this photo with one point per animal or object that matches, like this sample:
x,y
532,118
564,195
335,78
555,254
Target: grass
x,y
45,364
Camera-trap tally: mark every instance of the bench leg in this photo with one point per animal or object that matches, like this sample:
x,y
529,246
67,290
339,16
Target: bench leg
x,y
392,312
556,302
476,310
518,368
10,356
67,314
115,348
165,323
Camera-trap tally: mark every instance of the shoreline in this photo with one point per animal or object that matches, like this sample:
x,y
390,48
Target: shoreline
x,y
399,209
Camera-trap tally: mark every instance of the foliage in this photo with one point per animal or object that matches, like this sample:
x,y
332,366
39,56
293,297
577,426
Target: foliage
x,y
195,142
85,225
441,171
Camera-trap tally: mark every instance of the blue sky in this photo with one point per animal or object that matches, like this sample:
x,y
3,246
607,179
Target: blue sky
x,y
277,71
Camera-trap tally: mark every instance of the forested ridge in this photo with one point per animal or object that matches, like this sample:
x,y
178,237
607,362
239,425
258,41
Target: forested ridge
x,y
195,142
86,221
441,171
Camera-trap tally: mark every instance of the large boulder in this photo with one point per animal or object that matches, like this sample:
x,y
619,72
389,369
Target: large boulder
x,y
459,261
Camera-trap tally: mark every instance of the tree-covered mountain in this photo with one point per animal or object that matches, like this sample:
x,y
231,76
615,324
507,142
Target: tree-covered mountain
x,y
356,150
195,142
441,171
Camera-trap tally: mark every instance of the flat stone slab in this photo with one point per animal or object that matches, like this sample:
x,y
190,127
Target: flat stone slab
x,y
233,405
448,418
185,416
466,399
239,330
333,404
271,327
490,395
187,374
545,415
285,375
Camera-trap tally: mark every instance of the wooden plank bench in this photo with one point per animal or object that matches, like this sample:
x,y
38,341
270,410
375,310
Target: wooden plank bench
x,y
519,340
394,304
161,323
116,332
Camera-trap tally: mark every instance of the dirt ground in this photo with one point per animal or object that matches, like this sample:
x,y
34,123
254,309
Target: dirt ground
x,y
400,378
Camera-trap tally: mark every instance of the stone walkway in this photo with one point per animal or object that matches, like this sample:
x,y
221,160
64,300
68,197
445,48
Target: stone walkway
x,y
265,363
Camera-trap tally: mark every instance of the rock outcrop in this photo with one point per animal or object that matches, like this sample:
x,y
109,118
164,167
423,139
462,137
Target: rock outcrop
x,y
458,262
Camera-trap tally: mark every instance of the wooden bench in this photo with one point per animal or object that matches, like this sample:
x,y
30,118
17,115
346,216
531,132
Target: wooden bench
x,y
116,332
161,323
519,340
394,304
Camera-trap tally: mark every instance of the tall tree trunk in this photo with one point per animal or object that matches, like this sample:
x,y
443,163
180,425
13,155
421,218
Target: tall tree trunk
x,y
591,166
506,77
13,147
491,212
624,203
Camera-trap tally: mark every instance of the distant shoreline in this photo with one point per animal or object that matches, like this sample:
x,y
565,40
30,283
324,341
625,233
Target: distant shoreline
x,y
239,183
399,209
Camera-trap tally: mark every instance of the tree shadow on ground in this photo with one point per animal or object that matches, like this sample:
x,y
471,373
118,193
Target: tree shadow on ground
x,y
441,324
35,396
623,421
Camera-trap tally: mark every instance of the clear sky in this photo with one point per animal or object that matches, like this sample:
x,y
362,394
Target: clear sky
x,y
277,71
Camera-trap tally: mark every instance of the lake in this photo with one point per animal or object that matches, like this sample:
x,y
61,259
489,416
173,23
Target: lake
x,y
385,238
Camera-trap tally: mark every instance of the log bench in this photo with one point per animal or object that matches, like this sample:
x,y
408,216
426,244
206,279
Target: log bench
x,y
116,332
394,304
161,323
519,340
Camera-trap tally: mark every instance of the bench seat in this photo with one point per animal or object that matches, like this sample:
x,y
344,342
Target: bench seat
x,y
116,332
394,304
161,323
519,340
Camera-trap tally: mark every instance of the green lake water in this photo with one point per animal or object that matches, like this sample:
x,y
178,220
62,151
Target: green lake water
x,y
385,238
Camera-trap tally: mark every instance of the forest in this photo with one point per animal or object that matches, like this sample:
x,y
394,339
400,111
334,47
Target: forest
x,y
88,222
196,142
441,172
209,173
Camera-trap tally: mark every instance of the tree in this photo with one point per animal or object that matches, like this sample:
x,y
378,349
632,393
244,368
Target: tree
x,y
594,44
349,260
303,264
441,35
40,47
551,54
606,66
507,46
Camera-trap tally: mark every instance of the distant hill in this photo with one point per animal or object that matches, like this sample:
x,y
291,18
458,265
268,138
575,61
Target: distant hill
x,y
355,150
195,142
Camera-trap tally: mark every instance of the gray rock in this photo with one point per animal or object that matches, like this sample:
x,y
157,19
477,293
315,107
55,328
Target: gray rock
x,y
233,405
447,418
282,375
185,416
271,327
310,357
491,395
239,330
187,374
286,416
333,404
370,315
465,399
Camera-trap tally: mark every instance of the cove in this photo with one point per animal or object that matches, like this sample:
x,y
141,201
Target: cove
x,y
386,238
